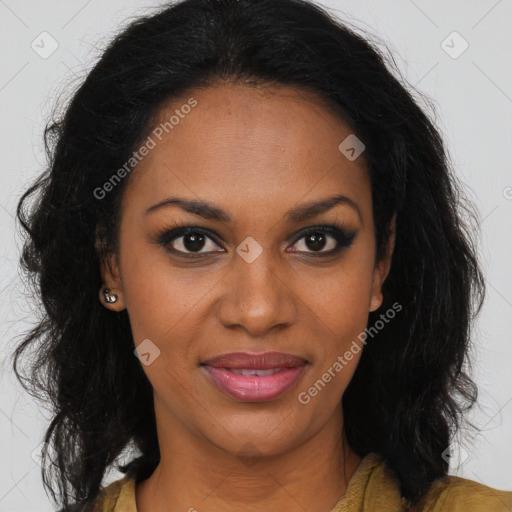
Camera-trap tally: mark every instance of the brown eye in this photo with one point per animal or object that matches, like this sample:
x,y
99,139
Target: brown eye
x,y
188,241
193,242
317,241
323,240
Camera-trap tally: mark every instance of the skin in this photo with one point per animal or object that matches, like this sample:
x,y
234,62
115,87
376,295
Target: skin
x,y
255,153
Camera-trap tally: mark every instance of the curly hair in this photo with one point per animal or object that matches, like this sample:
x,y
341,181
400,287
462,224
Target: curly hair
x,y
411,388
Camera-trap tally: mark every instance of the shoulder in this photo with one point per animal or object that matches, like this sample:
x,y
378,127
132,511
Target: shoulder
x,y
447,494
108,498
459,494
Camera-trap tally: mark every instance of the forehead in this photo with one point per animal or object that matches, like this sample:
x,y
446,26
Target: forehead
x,y
248,146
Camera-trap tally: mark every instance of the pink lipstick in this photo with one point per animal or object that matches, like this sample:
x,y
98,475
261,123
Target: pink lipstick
x,y
255,377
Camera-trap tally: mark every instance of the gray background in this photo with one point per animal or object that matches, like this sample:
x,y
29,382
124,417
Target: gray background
x,y
472,95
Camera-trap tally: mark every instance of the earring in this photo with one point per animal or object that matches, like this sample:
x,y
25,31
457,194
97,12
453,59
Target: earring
x,y
109,297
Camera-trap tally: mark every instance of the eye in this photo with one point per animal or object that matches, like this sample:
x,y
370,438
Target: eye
x,y
188,241
323,241
191,241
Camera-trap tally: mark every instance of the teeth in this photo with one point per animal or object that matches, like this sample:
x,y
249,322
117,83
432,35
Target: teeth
x,y
259,373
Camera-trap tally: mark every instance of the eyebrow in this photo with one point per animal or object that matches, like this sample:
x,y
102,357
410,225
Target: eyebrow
x,y
212,212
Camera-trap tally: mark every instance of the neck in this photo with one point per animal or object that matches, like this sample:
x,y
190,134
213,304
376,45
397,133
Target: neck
x,y
194,474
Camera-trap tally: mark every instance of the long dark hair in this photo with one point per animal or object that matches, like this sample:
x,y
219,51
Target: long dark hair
x,y
411,387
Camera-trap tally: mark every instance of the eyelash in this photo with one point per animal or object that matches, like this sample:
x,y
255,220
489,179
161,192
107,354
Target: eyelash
x,y
343,238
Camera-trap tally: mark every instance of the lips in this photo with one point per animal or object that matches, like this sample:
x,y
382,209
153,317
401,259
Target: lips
x,y
254,377
265,361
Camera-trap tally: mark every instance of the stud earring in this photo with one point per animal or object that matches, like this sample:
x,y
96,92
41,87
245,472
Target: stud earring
x,y
110,298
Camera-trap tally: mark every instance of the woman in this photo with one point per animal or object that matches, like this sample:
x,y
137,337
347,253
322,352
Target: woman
x,y
285,284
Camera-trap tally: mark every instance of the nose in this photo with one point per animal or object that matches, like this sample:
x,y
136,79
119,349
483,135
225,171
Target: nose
x,y
257,296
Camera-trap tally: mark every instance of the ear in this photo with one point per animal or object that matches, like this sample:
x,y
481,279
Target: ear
x,y
111,277
382,267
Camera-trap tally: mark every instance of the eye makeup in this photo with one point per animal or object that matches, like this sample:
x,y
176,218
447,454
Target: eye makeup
x,y
167,237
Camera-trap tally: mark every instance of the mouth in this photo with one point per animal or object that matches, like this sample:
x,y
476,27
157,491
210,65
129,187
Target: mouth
x,y
254,377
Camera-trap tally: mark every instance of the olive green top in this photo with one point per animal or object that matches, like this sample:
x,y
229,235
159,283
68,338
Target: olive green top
x,y
371,488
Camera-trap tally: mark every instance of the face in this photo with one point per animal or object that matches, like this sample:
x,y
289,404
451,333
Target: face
x,y
246,263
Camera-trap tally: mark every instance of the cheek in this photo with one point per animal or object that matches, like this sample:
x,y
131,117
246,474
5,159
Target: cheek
x,y
340,303
341,316
160,308
340,297
160,297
